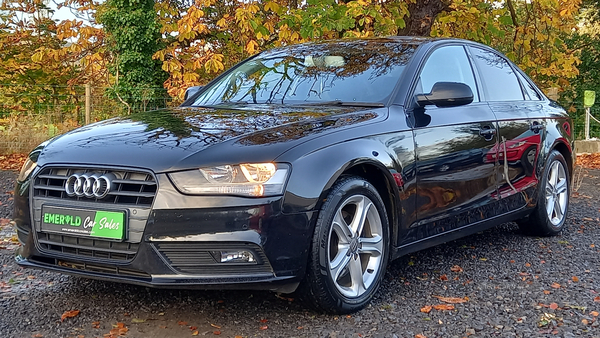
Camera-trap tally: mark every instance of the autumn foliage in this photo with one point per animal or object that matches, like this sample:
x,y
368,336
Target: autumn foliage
x,y
201,38
134,51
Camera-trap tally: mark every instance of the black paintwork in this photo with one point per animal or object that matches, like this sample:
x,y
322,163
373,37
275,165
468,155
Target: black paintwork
x,y
438,169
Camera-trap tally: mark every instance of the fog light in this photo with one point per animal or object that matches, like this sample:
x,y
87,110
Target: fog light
x,y
237,257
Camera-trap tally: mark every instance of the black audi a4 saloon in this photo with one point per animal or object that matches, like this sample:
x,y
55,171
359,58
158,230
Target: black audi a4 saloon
x,y
304,168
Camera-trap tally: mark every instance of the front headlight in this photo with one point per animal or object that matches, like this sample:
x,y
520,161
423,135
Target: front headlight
x,y
249,179
26,169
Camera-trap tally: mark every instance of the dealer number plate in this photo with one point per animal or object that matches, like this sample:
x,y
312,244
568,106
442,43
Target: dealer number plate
x,y
83,222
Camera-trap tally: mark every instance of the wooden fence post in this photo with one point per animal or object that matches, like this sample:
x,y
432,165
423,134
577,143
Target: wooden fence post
x,y
88,103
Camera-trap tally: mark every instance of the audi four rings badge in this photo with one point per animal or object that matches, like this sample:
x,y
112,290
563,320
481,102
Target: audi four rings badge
x,y
89,185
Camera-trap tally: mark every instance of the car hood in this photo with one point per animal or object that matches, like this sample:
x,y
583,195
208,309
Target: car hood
x,y
181,138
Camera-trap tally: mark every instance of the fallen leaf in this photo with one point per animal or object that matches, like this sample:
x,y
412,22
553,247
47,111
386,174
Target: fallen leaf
x,y
426,309
238,337
553,306
597,299
420,336
193,328
555,285
182,323
575,279
216,333
195,333
69,314
96,325
546,292
215,326
585,321
451,300
456,268
442,307
512,261
264,327
284,298
300,327
527,264
137,320
263,320
594,313
444,277
37,335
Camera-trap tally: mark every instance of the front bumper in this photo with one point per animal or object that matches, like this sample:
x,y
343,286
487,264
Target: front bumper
x,y
177,246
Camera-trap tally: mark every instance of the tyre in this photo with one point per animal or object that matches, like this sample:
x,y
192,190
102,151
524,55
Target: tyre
x,y
549,216
350,249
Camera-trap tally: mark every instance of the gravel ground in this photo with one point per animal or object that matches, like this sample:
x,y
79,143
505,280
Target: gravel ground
x,y
516,286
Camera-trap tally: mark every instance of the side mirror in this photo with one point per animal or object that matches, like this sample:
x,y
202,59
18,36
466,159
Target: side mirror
x,y
191,91
446,94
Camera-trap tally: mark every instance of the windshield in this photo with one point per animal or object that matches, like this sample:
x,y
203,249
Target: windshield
x,y
341,72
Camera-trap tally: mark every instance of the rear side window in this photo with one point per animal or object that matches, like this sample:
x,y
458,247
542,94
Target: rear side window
x,y
447,64
530,92
499,79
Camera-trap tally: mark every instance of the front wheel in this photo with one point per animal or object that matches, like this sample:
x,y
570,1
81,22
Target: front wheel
x,y
549,216
350,248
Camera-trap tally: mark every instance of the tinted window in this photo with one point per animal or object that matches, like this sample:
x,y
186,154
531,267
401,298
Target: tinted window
x,y
530,92
447,64
359,71
499,80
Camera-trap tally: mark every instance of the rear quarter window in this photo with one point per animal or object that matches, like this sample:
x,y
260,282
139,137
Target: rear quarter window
x,y
499,79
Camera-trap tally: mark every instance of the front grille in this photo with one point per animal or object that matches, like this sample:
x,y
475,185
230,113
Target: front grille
x,y
87,247
133,192
197,258
131,187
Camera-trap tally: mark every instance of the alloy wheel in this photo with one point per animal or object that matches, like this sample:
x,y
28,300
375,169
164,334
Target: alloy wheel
x,y
556,193
355,246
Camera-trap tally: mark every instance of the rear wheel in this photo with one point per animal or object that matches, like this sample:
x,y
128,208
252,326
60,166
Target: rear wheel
x,y
549,216
349,251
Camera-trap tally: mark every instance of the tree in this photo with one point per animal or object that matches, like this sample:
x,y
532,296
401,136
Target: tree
x,y
533,34
133,37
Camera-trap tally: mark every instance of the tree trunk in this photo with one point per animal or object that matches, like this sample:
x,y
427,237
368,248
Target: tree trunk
x,y
422,16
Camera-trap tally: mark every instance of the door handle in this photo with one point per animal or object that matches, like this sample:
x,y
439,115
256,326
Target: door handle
x,y
536,127
487,133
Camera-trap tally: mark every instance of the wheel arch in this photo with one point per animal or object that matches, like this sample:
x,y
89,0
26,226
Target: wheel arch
x,y
563,148
380,177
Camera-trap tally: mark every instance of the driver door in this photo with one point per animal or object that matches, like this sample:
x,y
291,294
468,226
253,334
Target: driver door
x,y
456,181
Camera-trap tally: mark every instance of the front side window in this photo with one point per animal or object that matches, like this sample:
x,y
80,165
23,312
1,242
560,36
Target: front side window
x,y
499,80
353,71
447,64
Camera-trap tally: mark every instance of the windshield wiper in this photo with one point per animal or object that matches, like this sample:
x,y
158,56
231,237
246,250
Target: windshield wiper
x,y
344,103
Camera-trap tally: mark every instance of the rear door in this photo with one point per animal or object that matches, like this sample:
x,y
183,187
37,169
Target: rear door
x,y
519,132
455,183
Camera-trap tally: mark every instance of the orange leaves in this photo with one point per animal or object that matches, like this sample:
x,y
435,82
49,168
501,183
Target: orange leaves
x,y
420,336
591,161
575,279
443,307
118,329
456,268
553,306
12,162
555,285
69,314
452,300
